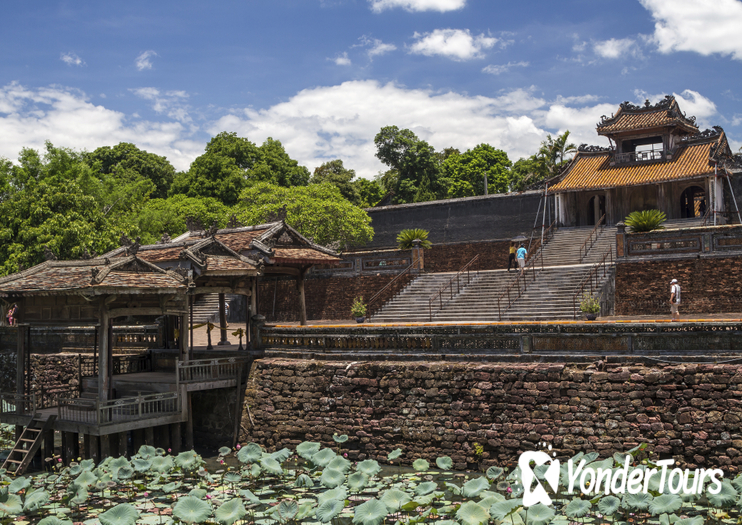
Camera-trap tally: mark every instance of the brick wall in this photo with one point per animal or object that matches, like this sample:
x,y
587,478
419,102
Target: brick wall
x,y
493,255
688,412
708,285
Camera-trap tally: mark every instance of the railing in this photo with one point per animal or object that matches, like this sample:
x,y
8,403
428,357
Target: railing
x,y
49,397
549,232
209,369
17,404
93,412
439,295
136,337
639,156
121,364
371,306
591,277
592,238
513,295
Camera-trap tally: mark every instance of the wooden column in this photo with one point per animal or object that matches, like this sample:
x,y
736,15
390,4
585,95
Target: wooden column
x,y
149,436
189,425
253,309
122,444
91,445
104,378
191,298
137,440
302,299
105,446
222,321
184,338
70,447
20,378
176,441
248,313
48,449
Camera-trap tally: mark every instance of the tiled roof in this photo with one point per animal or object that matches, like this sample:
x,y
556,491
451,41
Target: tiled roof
x,y
219,264
631,118
239,241
302,255
79,277
590,171
165,253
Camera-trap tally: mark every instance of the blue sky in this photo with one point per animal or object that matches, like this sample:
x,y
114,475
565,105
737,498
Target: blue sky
x,y
323,76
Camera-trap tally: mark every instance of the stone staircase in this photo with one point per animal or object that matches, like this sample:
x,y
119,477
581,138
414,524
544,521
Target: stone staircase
x,y
206,308
411,304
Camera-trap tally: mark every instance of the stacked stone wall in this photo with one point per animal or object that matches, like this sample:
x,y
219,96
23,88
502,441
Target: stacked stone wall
x,y
690,412
708,285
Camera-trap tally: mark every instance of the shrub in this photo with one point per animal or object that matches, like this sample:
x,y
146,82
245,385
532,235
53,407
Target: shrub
x,y
406,238
358,308
589,304
645,221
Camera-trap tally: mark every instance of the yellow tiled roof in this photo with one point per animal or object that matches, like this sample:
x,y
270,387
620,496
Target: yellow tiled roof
x,y
593,171
631,118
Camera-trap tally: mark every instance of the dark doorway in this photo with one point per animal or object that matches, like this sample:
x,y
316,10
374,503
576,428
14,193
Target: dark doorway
x,y
692,202
595,209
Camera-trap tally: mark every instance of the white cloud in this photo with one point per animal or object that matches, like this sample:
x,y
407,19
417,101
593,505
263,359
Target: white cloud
x,y
417,5
143,61
703,26
170,103
66,117
692,103
341,60
71,59
503,68
377,47
457,44
616,48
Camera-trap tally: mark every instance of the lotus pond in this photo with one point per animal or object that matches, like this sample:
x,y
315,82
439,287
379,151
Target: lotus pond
x,y
319,485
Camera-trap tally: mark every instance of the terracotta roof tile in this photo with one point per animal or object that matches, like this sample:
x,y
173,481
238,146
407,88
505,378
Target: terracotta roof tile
x,y
303,255
630,118
160,255
214,263
595,172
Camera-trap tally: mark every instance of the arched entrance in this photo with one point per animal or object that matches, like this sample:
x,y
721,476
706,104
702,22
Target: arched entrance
x,y
692,202
595,209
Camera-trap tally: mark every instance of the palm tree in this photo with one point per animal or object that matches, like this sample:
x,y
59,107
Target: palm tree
x,y
553,152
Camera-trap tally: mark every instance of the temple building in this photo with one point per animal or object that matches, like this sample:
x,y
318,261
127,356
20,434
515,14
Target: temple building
x,y
657,159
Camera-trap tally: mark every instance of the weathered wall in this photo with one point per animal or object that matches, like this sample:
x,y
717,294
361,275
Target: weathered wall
x,y
708,285
688,412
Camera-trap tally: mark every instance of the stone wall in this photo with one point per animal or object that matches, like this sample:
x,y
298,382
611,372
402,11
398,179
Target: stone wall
x,y
685,411
708,285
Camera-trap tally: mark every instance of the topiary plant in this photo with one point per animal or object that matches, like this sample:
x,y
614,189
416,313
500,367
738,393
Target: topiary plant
x,y
406,238
645,221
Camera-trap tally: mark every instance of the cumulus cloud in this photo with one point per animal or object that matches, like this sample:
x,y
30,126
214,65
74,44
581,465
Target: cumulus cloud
x,y
66,117
170,103
143,61
503,68
703,26
341,60
456,44
376,47
616,48
442,6
71,59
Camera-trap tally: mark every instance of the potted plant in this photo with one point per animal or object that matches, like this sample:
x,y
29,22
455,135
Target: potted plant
x,y
358,309
590,306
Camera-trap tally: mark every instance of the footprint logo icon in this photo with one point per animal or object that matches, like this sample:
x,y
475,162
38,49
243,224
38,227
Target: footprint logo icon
x,y
537,494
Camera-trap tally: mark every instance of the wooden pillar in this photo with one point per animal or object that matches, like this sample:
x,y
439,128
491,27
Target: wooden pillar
x,y
70,447
191,298
302,299
104,379
122,444
105,446
20,378
149,436
189,425
175,439
48,449
137,440
222,321
184,338
91,445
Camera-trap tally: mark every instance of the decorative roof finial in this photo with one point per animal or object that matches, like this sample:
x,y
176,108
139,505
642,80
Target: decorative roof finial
x,y
165,239
125,241
213,229
49,254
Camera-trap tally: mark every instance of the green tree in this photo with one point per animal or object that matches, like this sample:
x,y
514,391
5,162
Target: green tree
x,y
370,192
127,157
333,172
317,211
169,215
472,166
526,172
555,152
276,167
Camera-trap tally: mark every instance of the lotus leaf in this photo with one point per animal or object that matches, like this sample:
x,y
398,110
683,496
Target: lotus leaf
x,y
223,451
371,512
75,470
490,500
665,504
19,484
420,465
10,504
191,510
304,481
254,470
53,520
394,499
35,500
198,493
577,508
271,466
305,509
608,505
141,465
452,488
86,479
394,454
162,464
444,463
307,449
370,467
358,481
725,498
121,514
494,472
539,514
471,513
340,463
281,455
329,509
117,463
230,512
188,460
87,464
737,482
250,453
323,457
171,487
503,509
590,457
697,520
286,510
338,493
636,501
473,487
332,478
147,452
425,488
232,477
249,496
124,473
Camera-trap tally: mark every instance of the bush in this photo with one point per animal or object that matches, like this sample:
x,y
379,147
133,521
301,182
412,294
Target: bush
x,y
406,238
358,308
645,221
590,304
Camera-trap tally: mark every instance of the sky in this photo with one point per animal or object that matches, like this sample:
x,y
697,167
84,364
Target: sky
x,y
324,76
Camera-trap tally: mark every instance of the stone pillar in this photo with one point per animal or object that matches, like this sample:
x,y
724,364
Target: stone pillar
x,y
418,259
222,321
302,298
621,240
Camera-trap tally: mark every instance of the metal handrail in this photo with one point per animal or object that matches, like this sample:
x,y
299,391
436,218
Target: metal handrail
x,y
209,369
466,268
588,279
548,234
521,275
378,294
600,224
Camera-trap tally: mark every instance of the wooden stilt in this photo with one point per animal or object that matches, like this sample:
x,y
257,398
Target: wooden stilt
x,y
137,440
302,299
149,436
123,444
48,449
189,425
105,446
222,321
176,442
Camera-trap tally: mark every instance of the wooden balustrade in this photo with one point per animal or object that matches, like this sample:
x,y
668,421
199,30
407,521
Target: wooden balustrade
x,y
93,412
209,369
18,404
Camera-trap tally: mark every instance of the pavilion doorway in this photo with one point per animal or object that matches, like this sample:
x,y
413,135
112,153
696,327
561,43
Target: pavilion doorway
x,y
693,202
595,209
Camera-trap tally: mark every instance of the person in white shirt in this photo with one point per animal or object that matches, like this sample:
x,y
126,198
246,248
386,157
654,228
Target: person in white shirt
x,y
674,299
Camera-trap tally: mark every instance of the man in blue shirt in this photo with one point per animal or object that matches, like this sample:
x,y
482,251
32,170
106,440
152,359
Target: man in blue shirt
x,y
521,256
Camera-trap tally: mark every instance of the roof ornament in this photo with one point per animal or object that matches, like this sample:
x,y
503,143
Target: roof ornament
x,y
49,254
584,148
94,272
86,255
234,223
133,248
194,225
285,238
125,241
213,229
279,215
165,239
